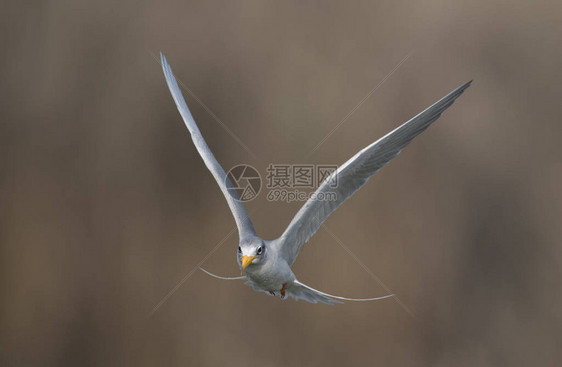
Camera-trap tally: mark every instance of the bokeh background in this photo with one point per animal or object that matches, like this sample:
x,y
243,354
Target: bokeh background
x,y
105,205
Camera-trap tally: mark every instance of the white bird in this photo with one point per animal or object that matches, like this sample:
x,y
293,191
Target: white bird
x,y
266,265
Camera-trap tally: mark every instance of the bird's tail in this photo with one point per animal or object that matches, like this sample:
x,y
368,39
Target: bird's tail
x,y
219,277
298,290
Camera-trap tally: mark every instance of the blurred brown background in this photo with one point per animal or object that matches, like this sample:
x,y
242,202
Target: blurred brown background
x,y
105,204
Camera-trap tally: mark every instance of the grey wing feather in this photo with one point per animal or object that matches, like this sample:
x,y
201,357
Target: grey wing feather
x,y
243,222
354,173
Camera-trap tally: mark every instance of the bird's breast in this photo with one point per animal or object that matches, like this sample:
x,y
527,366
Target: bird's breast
x,y
271,277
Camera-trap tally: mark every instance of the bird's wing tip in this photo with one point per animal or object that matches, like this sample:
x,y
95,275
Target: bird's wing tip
x,y
467,84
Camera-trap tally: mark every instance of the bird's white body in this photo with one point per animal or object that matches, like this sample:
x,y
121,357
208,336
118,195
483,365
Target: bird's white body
x,y
270,275
266,265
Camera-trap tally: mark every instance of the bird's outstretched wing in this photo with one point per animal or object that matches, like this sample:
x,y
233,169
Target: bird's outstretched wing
x,y
298,290
353,174
243,222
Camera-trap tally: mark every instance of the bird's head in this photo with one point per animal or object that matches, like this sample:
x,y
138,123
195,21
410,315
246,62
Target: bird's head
x,y
251,252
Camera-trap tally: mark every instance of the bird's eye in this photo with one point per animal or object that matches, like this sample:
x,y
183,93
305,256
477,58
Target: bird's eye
x,y
260,250
239,250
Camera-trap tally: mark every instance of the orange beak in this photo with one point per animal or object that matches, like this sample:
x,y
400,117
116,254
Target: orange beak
x,y
247,260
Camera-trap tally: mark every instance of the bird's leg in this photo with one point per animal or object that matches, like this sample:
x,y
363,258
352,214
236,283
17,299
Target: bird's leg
x,y
272,293
283,290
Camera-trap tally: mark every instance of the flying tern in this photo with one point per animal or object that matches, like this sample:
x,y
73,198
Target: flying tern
x,y
266,265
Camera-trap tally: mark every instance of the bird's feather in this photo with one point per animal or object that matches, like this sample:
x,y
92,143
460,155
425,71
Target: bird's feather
x,y
353,174
219,277
298,290
243,222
